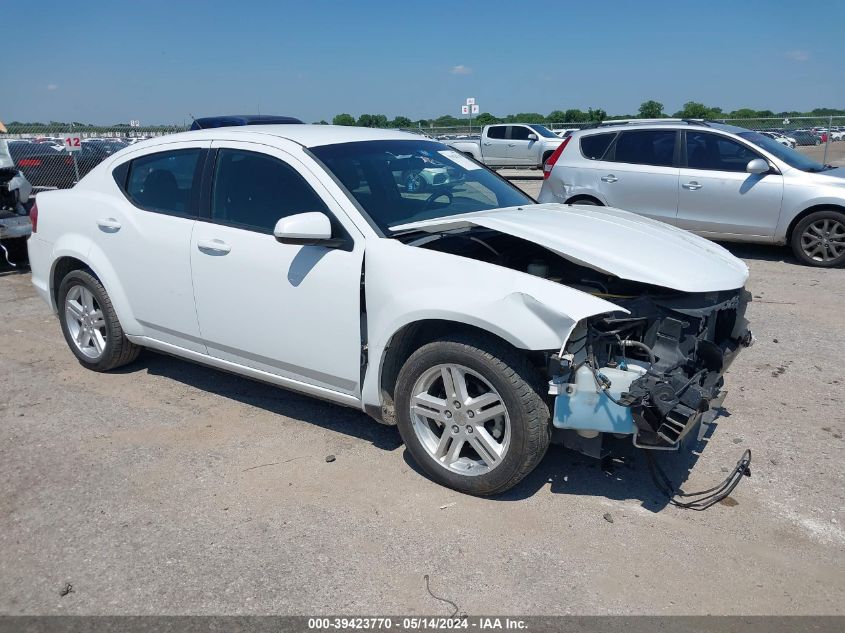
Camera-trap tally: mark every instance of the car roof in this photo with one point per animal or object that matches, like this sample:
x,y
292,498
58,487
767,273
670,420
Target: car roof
x,y
307,135
228,120
685,124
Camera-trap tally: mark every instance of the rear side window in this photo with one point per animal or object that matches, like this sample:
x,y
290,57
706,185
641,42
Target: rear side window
x,y
164,182
254,191
595,145
497,131
646,147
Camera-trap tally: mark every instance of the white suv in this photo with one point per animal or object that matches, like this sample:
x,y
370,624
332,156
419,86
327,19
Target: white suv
x,y
719,181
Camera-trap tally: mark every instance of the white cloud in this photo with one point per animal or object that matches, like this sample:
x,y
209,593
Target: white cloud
x,y
52,86
797,56
460,69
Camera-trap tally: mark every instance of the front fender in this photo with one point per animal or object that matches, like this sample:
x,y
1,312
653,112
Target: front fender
x,y
406,284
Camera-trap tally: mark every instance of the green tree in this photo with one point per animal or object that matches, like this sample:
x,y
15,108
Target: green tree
x,y
343,119
447,120
651,109
485,118
401,121
744,113
695,110
556,116
575,116
372,120
596,114
529,117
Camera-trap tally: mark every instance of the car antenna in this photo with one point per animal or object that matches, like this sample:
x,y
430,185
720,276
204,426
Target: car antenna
x,y
194,120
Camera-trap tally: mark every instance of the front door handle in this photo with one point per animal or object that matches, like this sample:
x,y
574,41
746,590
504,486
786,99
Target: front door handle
x,y
487,144
692,185
511,144
108,225
609,178
213,247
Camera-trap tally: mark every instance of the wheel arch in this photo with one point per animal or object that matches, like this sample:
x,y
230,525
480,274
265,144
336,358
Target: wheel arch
x,y
823,206
69,257
581,197
412,336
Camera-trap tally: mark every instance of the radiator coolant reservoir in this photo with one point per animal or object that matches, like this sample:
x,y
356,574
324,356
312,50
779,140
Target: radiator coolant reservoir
x,y
583,406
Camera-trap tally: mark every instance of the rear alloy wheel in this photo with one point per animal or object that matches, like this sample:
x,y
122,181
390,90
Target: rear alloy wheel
x,y
471,414
819,239
90,325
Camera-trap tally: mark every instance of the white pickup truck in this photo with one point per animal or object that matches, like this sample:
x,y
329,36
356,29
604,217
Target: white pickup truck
x,y
511,145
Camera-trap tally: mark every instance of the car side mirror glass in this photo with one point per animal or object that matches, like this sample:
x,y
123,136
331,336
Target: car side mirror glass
x,y
532,137
313,227
757,166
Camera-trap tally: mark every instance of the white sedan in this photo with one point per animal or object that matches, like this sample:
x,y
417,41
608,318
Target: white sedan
x,y
472,317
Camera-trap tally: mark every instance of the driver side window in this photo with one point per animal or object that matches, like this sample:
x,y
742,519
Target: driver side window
x,y
716,152
519,133
253,191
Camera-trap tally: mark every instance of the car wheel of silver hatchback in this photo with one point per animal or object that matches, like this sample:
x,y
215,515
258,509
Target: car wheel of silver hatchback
x,y
460,419
824,240
85,322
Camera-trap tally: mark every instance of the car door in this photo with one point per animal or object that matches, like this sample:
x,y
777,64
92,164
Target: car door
x,y
718,198
521,147
289,310
639,173
144,232
494,145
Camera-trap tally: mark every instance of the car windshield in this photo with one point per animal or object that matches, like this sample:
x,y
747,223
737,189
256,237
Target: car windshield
x,y
397,182
786,154
542,130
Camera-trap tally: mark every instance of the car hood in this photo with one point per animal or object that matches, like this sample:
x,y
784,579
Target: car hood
x,y
612,241
5,157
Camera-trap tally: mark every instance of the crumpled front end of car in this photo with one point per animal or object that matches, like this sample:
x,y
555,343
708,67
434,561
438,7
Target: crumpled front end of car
x,y
655,374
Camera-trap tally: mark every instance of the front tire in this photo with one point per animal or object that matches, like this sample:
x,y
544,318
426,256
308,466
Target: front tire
x,y
819,239
471,413
90,325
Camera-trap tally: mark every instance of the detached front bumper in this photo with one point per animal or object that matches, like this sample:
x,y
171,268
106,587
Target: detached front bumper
x,y
656,375
15,226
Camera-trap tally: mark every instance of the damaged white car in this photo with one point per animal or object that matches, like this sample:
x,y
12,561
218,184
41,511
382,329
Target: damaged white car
x,y
473,318
14,194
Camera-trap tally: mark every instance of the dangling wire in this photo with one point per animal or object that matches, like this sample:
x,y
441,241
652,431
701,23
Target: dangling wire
x,y
705,498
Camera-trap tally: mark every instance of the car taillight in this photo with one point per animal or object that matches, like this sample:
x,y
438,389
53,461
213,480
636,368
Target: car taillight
x,y
33,217
547,168
29,162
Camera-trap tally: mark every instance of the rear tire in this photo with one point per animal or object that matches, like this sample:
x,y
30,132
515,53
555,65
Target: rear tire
x,y
480,438
90,325
819,239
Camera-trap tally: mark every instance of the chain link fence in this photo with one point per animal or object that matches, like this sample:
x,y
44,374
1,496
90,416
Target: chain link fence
x,y
46,155
56,156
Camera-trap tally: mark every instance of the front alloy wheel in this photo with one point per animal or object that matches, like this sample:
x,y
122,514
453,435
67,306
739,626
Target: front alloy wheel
x,y
460,419
819,239
472,412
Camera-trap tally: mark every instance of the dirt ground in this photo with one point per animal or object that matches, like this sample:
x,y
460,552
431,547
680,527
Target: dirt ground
x,y
172,488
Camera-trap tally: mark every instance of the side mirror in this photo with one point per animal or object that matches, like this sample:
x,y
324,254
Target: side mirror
x,y
757,166
532,137
308,228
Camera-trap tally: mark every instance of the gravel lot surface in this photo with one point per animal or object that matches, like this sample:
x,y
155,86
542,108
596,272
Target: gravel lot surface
x,y
172,488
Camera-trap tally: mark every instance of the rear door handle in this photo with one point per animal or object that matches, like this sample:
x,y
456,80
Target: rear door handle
x,y
692,186
108,225
609,178
213,247
487,143
511,144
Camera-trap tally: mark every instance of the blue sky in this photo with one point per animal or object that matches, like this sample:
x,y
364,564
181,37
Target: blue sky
x,y
108,62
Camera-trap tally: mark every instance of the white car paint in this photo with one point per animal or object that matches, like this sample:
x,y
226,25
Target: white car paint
x,y
292,315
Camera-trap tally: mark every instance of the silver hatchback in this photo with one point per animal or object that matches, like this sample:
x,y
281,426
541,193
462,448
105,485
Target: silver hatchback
x,y
719,181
